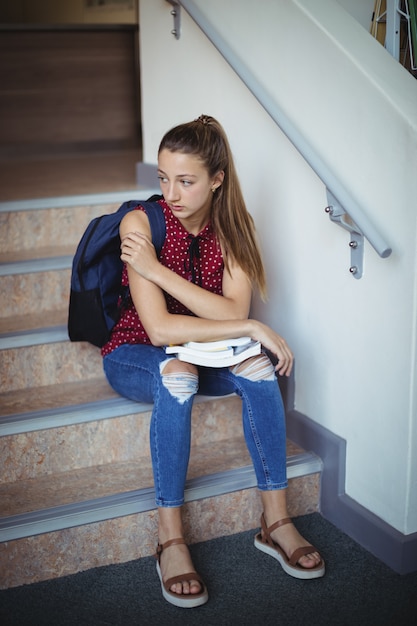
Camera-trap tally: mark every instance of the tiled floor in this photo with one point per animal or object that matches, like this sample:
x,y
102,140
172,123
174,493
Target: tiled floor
x,y
72,175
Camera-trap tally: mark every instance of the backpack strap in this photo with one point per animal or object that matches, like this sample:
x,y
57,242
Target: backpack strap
x,y
157,223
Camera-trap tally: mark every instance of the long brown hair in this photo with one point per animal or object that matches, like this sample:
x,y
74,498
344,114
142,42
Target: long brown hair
x,y
206,139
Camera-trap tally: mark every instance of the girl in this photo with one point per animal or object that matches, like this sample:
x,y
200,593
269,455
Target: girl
x,y
200,290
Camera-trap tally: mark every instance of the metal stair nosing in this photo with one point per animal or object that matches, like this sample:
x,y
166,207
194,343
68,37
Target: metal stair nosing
x,y
44,419
141,500
33,337
32,266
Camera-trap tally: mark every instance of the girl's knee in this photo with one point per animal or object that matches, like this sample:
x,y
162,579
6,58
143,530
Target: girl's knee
x,y
255,369
175,366
180,379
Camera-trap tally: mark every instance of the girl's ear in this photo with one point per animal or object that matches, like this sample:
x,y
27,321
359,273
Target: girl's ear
x,y
217,180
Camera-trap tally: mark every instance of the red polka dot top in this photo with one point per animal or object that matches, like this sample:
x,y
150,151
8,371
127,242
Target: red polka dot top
x,y
197,258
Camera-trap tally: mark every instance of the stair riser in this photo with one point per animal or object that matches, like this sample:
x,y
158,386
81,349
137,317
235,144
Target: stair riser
x,y
48,364
29,230
41,453
24,294
123,539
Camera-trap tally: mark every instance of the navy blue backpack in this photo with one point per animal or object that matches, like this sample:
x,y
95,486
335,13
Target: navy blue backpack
x,y
96,295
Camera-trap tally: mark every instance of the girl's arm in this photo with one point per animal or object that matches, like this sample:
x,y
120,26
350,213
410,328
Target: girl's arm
x,y
139,254
164,328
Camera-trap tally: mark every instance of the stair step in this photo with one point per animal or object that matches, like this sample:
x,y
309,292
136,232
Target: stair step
x,y
34,366
68,403
34,274
129,501
33,224
127,537
65,488
95,434
32,322
30,293
52,400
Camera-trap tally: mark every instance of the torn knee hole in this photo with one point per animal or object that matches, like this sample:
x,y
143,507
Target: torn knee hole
x,y
255,369
181,385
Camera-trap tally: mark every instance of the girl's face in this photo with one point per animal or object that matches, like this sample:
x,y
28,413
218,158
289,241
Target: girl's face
x,y
187,188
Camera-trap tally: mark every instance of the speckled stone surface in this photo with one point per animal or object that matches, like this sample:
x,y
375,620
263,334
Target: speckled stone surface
x,y
54,396
23,294
30,487
60,227
37,320
49,364
99,443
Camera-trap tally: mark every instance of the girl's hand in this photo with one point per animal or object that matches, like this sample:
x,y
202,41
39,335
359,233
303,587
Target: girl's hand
x,y
139,253
277,345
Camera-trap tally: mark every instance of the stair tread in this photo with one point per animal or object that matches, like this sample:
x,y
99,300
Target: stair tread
x,y
56,396
33,321
37,253
102,481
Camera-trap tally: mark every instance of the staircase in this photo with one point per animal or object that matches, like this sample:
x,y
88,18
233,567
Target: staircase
x,y
75,476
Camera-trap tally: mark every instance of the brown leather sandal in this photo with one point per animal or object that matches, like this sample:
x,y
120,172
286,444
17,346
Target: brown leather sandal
x,y
265,543
184,601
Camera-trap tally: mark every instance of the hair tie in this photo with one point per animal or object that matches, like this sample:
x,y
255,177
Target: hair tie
x,y
204,119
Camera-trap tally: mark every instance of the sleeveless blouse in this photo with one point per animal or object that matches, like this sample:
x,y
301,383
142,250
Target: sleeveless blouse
x,y
197,258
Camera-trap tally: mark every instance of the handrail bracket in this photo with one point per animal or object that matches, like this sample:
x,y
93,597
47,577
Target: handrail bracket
x,y
176,14
338,215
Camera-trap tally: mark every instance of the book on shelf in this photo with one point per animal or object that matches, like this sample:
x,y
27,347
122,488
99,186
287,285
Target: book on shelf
x,y
216,353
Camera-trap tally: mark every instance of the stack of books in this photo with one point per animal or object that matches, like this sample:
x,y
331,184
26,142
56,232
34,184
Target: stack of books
x,y
216,353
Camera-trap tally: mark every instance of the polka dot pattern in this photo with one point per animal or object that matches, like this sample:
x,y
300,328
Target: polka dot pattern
x,y
202,264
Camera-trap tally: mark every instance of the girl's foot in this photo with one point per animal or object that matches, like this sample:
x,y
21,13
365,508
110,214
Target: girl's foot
x,y
185,589
282,541
177,560
288,537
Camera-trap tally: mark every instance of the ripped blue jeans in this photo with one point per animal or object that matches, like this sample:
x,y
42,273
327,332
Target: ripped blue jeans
x,y
134,371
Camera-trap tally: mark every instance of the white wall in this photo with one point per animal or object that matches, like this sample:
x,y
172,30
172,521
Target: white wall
x,y
354,340
361,10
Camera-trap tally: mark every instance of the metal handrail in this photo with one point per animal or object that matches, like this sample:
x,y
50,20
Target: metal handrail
x,y
340,199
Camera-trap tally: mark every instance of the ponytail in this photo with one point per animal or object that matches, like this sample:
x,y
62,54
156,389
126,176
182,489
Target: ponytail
x,y
233,225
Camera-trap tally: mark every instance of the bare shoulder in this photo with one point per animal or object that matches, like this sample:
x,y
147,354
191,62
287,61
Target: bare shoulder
x,y
133,221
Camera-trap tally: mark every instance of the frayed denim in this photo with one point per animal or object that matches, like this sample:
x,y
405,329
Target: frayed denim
x,y
134,371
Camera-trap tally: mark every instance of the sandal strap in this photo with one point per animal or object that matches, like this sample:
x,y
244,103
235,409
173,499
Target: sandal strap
x,y
179,579
171,542
299,552
266,532
266,538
